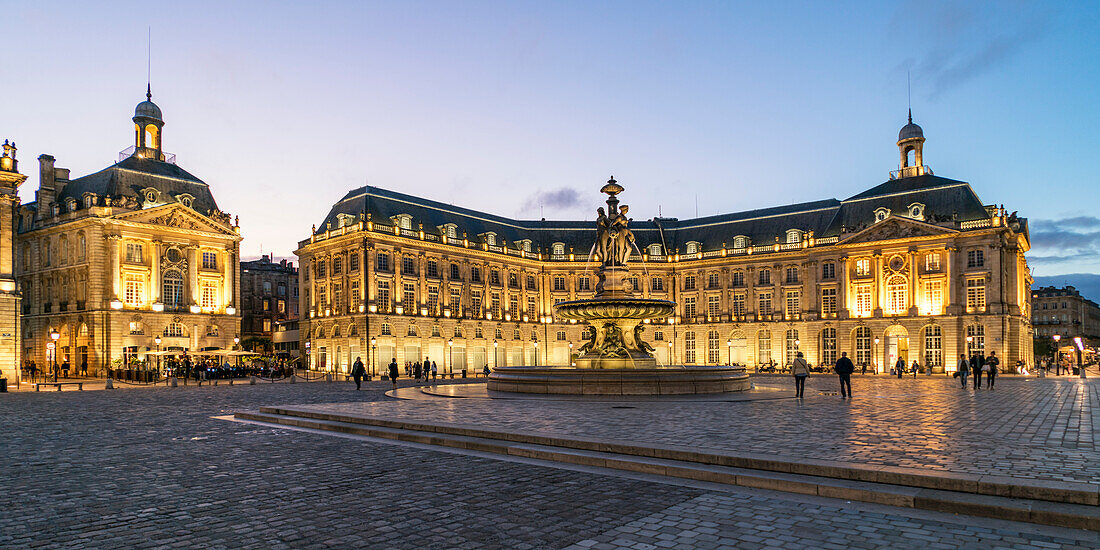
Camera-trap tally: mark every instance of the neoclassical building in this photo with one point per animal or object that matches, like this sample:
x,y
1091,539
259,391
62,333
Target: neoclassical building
x,y
111,260
917,267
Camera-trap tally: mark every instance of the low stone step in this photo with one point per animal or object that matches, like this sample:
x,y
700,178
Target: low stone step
x,y
1001,507
1032,489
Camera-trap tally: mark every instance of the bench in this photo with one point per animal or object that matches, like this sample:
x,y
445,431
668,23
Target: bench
x,y
79,385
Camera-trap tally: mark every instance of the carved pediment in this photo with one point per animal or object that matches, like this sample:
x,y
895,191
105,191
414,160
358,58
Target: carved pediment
x,y
175,216
896,227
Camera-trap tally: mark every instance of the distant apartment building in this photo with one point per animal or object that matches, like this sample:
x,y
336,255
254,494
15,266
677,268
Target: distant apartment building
x,y
269,295
285,339
1065,312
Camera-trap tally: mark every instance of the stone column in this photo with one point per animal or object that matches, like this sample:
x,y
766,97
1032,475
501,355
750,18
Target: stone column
x,y
876,296
113,244
154,279
914,283
842,289
951,305
193,273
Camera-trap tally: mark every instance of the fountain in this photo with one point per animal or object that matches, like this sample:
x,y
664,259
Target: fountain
x,y
616,360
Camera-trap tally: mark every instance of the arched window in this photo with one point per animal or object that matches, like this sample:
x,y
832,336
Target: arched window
x,y
764,347
692,248
740,242
794,236
336,331
81,247
559,249
863,345
320,332
792,345
933,346
655,249
897,295
828,346
63,249
172,289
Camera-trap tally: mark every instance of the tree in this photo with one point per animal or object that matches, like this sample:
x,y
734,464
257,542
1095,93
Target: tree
x,y
254,343
1044,348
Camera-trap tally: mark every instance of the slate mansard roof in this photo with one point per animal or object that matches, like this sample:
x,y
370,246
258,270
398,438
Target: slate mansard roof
x,y
128,177
942,201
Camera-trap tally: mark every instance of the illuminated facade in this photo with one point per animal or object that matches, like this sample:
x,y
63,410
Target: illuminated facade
x,y
114,259
10,298
915,268
269,296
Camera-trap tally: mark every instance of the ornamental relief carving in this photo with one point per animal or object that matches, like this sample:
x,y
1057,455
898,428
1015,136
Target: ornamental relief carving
x,y
175,219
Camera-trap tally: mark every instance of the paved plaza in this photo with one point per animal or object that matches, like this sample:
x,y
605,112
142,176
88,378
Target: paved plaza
x,y
153,467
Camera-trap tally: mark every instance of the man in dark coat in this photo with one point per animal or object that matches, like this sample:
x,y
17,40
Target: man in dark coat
x,y
357,372
844,369
976,362
393,372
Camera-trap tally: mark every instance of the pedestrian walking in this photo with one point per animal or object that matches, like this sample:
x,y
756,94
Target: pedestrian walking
x,y
357,372
393,372
976,370
435,372
65,368
899,367
991,375
844,369
863,368
963,370
916,368
801,370
83,367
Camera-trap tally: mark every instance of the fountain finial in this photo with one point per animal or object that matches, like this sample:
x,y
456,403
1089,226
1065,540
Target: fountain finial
x,y
612,188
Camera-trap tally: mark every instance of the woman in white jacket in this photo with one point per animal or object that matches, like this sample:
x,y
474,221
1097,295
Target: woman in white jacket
x,y
801,370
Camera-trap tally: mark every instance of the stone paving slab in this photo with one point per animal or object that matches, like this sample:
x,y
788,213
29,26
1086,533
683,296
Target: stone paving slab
x,y
1026,428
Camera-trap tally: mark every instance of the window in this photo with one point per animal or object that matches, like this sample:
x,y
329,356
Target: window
x,y
172,289
494,276
531,283
765,277
975,258
792,275
411,331
475,274
386,329
712,281
498,334
559,282
435,331
689,282
738,278
828,346
794,236
515,334
433,268
738,305
863,267
494,303
863,345
713,306
282,306
792,345
531,307
828,271
689,306
322,296
321,266
692,248
933,346
433,301
267,305
212,330
654,249
881,214
136,328
133,253
932,261
337,265
558,249
475,301
354,300
764,303
933,298
689,348
382,261
657,284
897,294
408,265
916,211
458,332
383,298
828,302
456,302
714,351
478,333
513,280
134,290
175,329
267,325
267,288
764,347
451,231
455,274
63,247
408,299
659,335
513,306
210,260
740,242
209,295
794,303
584,283
560,335
975,295
976,342
337,298
353,262
491,239
863,301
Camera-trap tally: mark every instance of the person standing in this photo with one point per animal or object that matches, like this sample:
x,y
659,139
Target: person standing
x,y
357,372
393,372
863,369
916,368
844,369
963,370
899,367
83,367
991,375
976,370
801,370
435,372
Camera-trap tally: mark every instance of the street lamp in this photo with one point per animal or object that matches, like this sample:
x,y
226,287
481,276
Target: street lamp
x,y
451,353
494,354
729,351
571,363
1057,360
536,353
157,340
55,336
1080,345
374,350
670,351
874,352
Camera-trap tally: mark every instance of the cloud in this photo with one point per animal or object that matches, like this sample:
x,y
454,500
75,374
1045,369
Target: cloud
x,y
1087,283
557,199
1065,240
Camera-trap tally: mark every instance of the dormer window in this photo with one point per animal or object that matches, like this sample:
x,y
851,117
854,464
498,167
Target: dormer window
x,y
186,200
89,200
343,220
654,249
491,239
692,247
404,221
740,241
558,248
881,214
451,230
794,236
70,205
916,211
151,195
525,245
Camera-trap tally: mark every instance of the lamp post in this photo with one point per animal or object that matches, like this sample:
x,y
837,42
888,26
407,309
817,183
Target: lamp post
x,y
536,353
157,340
729,351
571,363
451,353
1079,344
374,351
1057,361
55,336
874,354
670,352
494,354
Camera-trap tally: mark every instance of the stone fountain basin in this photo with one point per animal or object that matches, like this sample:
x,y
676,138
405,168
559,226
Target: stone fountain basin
x,y
615,308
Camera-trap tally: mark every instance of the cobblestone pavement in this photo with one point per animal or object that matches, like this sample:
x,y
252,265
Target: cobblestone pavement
x,y
1025,427
153,469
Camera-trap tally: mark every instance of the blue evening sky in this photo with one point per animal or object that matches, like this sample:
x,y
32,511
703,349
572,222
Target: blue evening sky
x,y
525,108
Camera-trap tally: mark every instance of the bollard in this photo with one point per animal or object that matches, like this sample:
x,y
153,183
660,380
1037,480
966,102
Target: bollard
x,y
252,381
230,381
292,377
110,385
174,382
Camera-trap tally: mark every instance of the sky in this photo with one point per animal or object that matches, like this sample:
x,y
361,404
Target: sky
x,y
524,109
